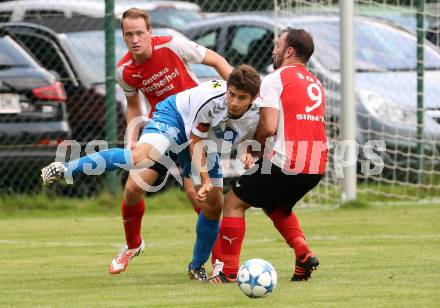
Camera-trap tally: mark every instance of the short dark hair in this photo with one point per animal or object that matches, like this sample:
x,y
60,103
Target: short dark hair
x,y
301,41
135,12
245,78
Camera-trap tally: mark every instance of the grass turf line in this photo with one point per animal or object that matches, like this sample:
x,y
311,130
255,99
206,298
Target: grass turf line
x,y
372,256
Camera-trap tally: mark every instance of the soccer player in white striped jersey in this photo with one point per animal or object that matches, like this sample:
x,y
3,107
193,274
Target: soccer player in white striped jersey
x,y
209,112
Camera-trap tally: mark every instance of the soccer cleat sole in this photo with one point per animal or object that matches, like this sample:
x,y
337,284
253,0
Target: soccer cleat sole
x,y
116,272
221,278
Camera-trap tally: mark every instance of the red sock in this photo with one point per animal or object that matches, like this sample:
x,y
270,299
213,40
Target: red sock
x,y
231,237
287,224
217,249
132,217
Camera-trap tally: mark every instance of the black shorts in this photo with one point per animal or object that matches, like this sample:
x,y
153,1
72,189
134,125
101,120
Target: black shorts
x,y
277,189
160,169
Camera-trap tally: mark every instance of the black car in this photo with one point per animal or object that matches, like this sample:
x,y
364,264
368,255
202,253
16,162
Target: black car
x,y
33,117
433,33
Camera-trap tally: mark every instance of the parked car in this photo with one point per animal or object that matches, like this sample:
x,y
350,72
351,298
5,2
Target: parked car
x,y
386,80
174,14
67,51
65,47
404,16
33,119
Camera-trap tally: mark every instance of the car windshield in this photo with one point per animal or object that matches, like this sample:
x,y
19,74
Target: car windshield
x,y
378,47
92,60
11,54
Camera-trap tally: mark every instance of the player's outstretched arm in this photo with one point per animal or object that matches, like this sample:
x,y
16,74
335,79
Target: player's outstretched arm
x,y
216,61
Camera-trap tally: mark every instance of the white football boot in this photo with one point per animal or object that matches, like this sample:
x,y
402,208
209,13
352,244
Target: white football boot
x,y
120,262
53,172
217,267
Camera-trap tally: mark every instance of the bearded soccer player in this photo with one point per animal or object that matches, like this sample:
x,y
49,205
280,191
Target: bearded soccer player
x,y
214,111
292,108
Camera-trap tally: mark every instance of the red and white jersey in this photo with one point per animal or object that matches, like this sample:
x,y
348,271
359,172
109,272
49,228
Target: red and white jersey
x,y
301,142
165,73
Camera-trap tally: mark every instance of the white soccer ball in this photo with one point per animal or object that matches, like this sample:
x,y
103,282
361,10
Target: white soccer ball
x,y
257,278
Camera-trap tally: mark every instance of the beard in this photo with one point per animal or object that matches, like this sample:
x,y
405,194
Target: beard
x,y
278,60
276,65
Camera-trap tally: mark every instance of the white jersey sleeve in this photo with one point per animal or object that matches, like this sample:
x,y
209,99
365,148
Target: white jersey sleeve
x,y
128,90
202,122
270,91
189,51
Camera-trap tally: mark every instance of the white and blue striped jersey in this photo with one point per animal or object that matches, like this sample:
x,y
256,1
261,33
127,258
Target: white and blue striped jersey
x,y
204,111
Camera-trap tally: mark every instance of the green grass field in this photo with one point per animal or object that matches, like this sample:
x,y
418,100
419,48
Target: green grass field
x,y
58,254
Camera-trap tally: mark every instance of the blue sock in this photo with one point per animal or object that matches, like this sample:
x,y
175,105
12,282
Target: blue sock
x,y
207,231
97,163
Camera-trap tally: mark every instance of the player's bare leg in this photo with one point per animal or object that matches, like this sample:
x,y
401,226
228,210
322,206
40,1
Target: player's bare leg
x,y
191,194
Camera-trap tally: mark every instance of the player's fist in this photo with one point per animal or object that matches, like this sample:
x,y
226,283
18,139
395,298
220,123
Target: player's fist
x,y
248,160
203,191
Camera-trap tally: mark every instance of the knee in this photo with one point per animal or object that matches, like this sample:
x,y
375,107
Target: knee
x,y
214,204
190,192
132,193
234,206
137,156
192,197
216,198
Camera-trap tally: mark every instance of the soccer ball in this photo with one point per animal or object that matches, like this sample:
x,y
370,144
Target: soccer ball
x,y
257,278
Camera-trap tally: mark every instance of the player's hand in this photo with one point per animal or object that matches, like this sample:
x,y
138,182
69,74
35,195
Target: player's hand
x,y
203,191
248,160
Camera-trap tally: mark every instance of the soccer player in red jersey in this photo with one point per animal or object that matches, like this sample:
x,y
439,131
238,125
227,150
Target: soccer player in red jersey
x,y
292,108
156,67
